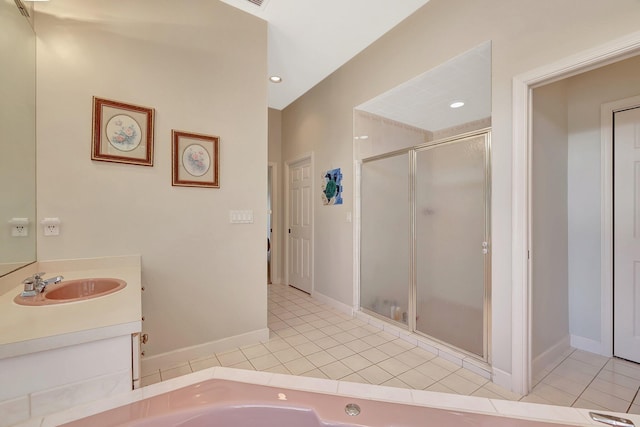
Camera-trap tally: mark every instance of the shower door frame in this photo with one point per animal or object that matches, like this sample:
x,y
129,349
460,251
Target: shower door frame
x,y
410,151
412,284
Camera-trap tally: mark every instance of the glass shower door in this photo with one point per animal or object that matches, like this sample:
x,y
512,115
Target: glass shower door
x,y
452,242
385,256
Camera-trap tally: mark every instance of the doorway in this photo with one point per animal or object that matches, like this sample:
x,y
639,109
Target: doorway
x,y
271,186
299,193
572,281
626,232
522,191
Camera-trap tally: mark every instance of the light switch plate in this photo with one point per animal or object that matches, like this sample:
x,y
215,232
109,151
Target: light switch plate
x,y
241,216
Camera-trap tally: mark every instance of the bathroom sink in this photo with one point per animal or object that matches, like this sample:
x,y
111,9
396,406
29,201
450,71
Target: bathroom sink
x,y
73,290
83,289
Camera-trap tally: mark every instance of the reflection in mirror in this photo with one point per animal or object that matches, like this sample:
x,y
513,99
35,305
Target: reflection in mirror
x,y
17,141
423,110
424,191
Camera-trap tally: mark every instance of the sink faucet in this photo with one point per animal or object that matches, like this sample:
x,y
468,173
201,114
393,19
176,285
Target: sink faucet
x,y
36,284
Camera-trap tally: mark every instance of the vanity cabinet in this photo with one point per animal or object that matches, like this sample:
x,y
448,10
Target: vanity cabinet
x,y
55,357
135,361
52,380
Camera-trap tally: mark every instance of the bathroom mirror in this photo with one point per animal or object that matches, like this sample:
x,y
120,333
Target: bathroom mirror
x,y
18,225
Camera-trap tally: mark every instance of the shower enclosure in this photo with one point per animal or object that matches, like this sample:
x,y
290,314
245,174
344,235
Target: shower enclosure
x,y
424,240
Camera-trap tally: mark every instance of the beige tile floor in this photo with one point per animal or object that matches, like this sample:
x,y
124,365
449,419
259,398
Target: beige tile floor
x,y
309,338
587,380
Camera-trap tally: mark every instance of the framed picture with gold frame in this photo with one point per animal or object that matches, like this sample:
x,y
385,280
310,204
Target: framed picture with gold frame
x,y
196,159
122,133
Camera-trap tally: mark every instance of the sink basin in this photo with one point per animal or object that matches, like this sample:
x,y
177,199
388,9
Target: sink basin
x,y
83,289
73,290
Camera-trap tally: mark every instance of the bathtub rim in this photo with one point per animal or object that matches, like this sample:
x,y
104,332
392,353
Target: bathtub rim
x,y
423,398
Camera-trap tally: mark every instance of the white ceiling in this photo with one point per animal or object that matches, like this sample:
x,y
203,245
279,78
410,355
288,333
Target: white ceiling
x,y
424,101
308,40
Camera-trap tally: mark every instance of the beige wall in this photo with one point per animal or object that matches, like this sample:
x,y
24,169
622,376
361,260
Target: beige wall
x,y
384,135
549,223
526,34
202,67
279,232
275,135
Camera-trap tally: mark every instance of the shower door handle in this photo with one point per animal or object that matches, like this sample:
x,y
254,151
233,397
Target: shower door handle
x,y
485,248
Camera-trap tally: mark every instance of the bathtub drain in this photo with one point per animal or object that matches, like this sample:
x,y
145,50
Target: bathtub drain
x,y
352,409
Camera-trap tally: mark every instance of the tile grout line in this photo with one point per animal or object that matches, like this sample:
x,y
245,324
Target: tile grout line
x,y
590,382
286,301
633,400
554,368
287,305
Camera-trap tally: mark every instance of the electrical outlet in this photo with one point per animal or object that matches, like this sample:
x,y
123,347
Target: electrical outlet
x,y
51,226
51,230
19,231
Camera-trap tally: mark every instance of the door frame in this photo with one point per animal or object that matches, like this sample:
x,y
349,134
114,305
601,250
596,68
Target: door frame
x,y
607,251
287,203
523,86
275,224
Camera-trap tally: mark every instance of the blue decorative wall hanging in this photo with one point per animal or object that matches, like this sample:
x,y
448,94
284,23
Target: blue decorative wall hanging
x,y
332,187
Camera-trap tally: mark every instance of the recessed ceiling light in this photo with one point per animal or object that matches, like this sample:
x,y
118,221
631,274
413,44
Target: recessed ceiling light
x,y
275,79
456,104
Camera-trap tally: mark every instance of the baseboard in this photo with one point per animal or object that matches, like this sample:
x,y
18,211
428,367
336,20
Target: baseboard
x,y
592,346
340,306
501,378
152,364
550,356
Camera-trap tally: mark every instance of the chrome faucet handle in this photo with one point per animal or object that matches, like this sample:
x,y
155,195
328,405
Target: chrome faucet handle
x,y
39,276
29,287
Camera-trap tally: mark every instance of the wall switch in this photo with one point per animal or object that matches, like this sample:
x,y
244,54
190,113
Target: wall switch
x,y
241,217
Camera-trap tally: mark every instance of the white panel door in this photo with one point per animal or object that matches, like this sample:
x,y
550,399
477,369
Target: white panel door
x,y
626,206
300,226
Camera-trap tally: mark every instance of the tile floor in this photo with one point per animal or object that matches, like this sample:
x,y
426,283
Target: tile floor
x,y
587,380
309,338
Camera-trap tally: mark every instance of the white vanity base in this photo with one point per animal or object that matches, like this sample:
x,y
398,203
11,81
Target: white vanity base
x,y
53,380
58,356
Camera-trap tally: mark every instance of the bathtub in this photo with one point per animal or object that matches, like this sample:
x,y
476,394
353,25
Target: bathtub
x,y
224,403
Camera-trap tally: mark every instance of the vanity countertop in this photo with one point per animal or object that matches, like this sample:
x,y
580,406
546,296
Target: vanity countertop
x,y
26,329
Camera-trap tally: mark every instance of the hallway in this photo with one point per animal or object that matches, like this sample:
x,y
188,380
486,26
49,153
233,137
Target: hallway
x,y
309,338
